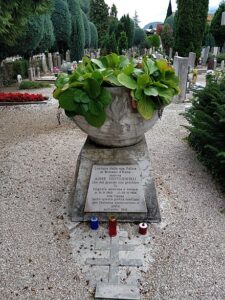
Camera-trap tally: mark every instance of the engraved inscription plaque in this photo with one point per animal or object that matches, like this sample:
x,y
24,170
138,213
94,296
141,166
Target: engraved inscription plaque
x,y
115,188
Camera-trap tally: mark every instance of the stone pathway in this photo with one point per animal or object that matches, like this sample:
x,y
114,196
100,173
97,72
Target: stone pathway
x,y
183,256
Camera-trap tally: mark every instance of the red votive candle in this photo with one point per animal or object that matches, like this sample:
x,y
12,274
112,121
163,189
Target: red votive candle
x,y
112,226
143,227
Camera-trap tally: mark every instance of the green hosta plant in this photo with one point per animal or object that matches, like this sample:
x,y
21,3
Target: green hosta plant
x,y
152,85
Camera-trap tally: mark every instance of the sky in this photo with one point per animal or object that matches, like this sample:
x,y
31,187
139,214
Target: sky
x,y
148,10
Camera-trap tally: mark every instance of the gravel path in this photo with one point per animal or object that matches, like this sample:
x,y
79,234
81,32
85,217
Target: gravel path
x,y
37,166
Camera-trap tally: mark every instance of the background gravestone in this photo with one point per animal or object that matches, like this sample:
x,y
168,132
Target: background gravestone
x,y
191,60
180,65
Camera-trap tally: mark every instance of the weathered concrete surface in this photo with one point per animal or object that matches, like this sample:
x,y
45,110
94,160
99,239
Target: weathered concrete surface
x,y
92,154
184,256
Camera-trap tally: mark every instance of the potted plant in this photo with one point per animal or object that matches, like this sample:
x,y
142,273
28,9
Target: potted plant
x,y
114,99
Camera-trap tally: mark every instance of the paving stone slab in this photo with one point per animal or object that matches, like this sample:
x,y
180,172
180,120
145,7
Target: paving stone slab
x,y
116,291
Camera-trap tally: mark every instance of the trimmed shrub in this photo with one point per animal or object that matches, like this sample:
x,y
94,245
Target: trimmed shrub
x,y
28,85
207,126
20,67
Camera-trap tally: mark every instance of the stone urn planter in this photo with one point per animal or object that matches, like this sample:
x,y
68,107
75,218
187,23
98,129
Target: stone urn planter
x,y
124,126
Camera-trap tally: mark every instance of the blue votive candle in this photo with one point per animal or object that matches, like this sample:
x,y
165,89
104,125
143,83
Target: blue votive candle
x,y
94,223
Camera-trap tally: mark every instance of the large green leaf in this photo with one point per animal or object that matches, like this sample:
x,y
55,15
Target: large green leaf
x,y
127,81
95,107
97,76
96,121
146,108
142,80
151,66
92,87
138,94
128,69
151,91
62,80
124,61
98,63
105,97
80,96
66,100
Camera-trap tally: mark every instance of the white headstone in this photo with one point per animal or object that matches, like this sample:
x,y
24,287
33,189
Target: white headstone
x,y
44,64
59,61
19,78
50,64
170,53
180,65
223,19
30,74
68,55
214,64
38,72
205,55
191,60
215,51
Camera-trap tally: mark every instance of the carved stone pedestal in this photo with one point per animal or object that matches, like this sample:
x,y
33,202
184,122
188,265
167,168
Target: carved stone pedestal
x,y
115,181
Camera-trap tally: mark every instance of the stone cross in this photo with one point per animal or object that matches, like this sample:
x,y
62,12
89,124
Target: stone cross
x,y
180,65
113,289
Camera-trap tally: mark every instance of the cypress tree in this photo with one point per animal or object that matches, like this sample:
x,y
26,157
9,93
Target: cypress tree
x,y
190,25
139,36
169,10
86,30
99,16
94,36
33,34
61,20
217,29
77,33
113,11
48,37
122,42
127,25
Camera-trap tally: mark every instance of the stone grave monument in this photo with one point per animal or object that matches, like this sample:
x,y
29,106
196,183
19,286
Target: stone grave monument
x,y
191,60
114,172
180,65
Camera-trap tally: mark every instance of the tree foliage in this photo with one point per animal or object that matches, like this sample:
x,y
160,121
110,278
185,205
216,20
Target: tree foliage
x,y
85,4
136,20
122,42
99,16
14,15
94,36
207,127
113,11
77,32
217,29
31,37
48,37
127,25
87,30
154,40
167,38
139,36
169,10
190,26
61,20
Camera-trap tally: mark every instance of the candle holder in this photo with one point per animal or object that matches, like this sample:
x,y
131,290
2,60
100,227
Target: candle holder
x,y
112,226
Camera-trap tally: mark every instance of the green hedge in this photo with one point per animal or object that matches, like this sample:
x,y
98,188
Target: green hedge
x,y
20,67
27,85
207,126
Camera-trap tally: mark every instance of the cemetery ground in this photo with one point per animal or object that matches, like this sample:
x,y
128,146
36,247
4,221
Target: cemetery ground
x,y
43,253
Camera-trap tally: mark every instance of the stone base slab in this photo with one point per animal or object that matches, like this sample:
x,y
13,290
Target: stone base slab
x,y
92,154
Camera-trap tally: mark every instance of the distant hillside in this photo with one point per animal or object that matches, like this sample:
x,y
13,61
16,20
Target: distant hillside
x,y
152,25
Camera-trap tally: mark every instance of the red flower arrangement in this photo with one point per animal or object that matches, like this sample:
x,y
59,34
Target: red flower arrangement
x,y
19,97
